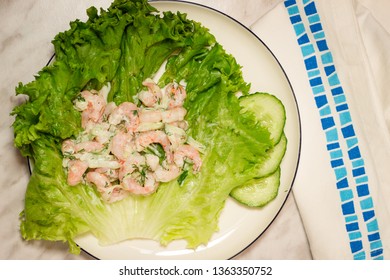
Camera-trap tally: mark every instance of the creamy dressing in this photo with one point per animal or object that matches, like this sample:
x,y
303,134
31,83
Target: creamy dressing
x,y
129,149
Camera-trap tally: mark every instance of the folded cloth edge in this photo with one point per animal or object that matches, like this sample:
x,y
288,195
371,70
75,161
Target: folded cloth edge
x,y
278,33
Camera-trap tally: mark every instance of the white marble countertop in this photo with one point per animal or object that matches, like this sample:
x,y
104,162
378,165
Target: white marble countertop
x,y
26,30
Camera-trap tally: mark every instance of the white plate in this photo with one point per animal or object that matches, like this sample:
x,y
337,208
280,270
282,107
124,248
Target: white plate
x,y
239,226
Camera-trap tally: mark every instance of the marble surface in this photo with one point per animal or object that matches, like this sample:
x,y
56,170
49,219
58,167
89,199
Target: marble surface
x,y
26,30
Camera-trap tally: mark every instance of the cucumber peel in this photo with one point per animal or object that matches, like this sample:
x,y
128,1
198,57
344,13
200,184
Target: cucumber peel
x,y
258,192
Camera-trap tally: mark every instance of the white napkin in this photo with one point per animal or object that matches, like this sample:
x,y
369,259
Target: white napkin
x,y
335,54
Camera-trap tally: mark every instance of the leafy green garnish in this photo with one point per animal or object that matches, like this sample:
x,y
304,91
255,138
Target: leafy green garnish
x,y
123,46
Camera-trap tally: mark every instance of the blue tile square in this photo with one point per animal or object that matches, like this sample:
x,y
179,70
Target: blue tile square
x,y
374,236
299,27
358,163
341,173
338,99
316,27
321,100
322,45
348,208
348,131
334,80
327,123
318,89
356,246
337,91
367,203
325,111
351,218
343,183
354,153
292,10
376,245
307,50
333,146
360,256
310,9
352,142
289,3
315,81
311,63
329,70
373,226
314,18
342,107
327,58
336,154
358,171
304,39
346,195
367,215
319,35
314,73
363,190
336,163
355,235
295,19
361,180
352,226
345,117
376,252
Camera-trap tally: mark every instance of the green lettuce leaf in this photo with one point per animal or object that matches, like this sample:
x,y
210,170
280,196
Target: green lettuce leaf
x,y
123,46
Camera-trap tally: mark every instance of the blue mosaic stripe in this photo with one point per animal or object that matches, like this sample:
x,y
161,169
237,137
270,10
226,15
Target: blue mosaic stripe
x,y
313,54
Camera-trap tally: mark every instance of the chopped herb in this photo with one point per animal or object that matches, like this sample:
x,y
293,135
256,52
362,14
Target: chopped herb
x,y
157,150
182,177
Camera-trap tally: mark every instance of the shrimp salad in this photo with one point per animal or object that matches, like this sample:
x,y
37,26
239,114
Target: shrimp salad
x,y
129,149
157,148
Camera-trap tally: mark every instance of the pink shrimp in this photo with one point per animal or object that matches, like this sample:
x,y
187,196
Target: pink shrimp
x,y
115,193
133,163
110,107
175,115
167,174
152,161
112,174
68,147
95,108
180,124
144,139
76,170
152,96
89,146
150,116
100,180
177,95
187,152
102,133
127,112
122,145
131,185
103,184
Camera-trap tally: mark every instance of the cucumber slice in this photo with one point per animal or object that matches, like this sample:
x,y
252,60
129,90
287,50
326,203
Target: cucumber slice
x,y
274,158
271,114
258,192
269,111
